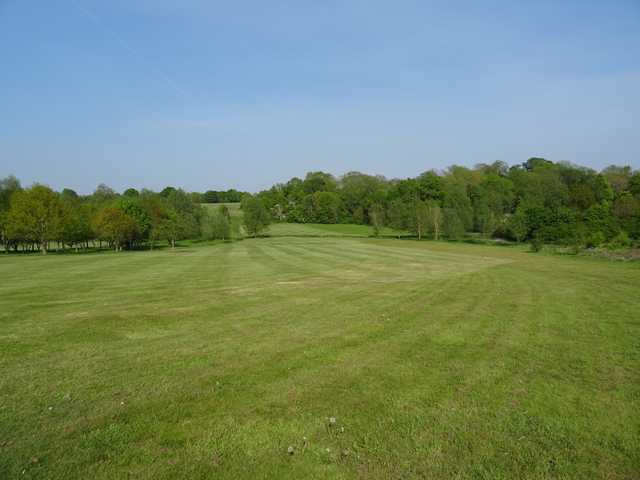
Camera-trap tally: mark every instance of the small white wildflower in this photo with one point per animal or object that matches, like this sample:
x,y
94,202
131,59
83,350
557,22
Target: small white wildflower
x,y
290,450
332,420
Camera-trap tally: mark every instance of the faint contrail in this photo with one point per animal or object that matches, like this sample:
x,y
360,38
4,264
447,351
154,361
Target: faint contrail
x,y
100,24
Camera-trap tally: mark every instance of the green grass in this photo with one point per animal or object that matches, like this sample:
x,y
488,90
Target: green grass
x,y
327,230
234,208
437,360
307,229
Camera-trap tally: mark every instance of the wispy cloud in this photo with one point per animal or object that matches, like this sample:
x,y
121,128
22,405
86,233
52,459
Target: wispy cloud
x,y
177,89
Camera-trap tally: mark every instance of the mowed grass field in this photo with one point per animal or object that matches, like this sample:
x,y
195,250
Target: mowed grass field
x,y
371,358
304,229
327,230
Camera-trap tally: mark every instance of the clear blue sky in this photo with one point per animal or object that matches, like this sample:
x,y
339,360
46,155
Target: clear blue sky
x,y
208,94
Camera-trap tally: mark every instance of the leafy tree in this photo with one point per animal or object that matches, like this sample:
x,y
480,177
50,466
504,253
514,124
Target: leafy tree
x,y
69,194
419,218
626,206
619,177
399,214
174,227
558,226
542,187
457,201
319,182
517,225
357,215
166,191
634,184
36,215
602,189
114,226
454,227
600,223
430,186
325,207
103,195
498,193
218,224
157,210
188,212
131,192
211,196
219,196
537,243
256,217
377,218
537,163
76,227
621,240
8,186
434,218
196,197
134,208
359,192
224,211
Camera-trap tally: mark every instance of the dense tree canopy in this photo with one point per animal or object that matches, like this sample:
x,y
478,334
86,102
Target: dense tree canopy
x,y
38,217
219,196
552,202
538,200
255,215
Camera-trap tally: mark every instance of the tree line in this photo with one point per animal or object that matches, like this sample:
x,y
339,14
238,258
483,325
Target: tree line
x,y
220,196
538,201
37,217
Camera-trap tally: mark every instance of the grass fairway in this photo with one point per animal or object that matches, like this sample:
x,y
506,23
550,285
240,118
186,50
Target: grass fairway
x,y
436,360
327,230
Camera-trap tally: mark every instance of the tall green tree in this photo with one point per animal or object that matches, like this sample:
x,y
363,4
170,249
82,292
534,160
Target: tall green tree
x,y
217,225
8,186
256,218
377,218
76,228
114,226
435,218
36,214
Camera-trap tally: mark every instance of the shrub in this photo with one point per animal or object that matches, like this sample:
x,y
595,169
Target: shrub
x,y
536,243
621,240
595,239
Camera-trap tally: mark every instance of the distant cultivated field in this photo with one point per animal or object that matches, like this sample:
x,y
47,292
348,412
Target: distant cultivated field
x,y
435,360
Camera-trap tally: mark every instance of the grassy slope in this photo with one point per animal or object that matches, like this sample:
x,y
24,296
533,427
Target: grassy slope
x,y
438,360
307,229
325,230
235,214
